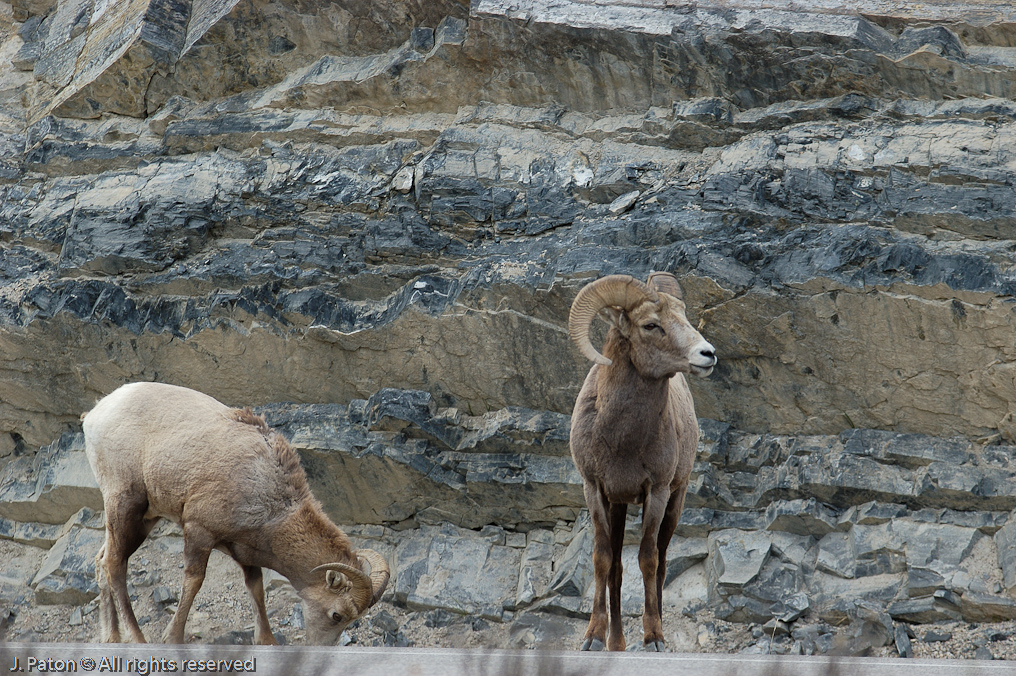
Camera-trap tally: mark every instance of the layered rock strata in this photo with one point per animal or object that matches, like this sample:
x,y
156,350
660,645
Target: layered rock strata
x,y
414,201
273,202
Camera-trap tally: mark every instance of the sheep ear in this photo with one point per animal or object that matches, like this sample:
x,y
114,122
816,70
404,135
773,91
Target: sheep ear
x,y
666,283
335,580
611,315
623,323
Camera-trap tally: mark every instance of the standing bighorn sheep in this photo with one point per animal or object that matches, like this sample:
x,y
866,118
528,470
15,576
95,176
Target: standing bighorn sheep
x,y
634,435
232,484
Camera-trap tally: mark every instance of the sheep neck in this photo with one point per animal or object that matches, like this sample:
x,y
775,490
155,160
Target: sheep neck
x,y
628,403
305,540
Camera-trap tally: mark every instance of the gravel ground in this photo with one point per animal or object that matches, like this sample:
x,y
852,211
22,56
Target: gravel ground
x,y
223,614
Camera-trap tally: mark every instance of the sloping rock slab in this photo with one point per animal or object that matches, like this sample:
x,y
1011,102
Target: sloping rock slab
x,y
68,573
443,568
51,485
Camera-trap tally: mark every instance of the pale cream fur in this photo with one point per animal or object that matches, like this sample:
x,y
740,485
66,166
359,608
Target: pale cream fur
x,y
162,451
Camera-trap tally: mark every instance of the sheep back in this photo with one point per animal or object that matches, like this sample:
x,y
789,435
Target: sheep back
x,y
192,457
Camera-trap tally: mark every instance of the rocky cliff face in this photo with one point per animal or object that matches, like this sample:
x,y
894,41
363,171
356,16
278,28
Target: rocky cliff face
x,y
286,202
308,203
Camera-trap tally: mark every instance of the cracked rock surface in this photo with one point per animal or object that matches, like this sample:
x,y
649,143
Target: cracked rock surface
x,y
369,219
382,206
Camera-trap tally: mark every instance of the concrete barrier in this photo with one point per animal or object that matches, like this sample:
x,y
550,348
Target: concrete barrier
x,y
53,658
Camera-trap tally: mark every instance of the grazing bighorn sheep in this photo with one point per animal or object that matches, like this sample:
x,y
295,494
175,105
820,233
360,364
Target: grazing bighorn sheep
x,y
232,484
634,435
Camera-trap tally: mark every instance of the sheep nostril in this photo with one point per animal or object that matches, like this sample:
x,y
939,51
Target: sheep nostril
x,y
709,354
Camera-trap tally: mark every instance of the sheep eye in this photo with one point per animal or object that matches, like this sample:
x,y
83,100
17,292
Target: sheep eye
x,y
650,326
336,618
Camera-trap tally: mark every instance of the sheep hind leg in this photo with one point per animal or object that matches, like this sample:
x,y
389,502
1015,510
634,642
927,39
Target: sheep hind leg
x,y
596,632
253,578
126,529
653,511
108,619
618,514
197,547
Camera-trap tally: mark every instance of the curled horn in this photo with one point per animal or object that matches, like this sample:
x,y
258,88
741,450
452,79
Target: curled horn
x,y
379,572
664,282
362,590
612,291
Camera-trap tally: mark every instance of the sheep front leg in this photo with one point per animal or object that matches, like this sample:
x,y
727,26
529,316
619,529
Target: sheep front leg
x,y
197,546
254,580
618,513
667,528
596,632
653,512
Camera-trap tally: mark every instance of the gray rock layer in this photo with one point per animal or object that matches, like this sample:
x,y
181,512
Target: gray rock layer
x,y
271,205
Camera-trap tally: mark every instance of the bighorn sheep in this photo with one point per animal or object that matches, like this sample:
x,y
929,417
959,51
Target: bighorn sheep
x,y
634,435
232,484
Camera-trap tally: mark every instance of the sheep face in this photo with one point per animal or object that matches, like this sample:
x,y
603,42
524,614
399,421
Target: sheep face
x,y
329,609
663,341
348,591
650,318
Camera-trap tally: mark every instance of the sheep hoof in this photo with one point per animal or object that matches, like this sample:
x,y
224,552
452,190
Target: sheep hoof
x,y
592,644
654,646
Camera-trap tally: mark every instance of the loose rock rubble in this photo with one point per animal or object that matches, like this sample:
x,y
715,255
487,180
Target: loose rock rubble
x,y
223,614
781,548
